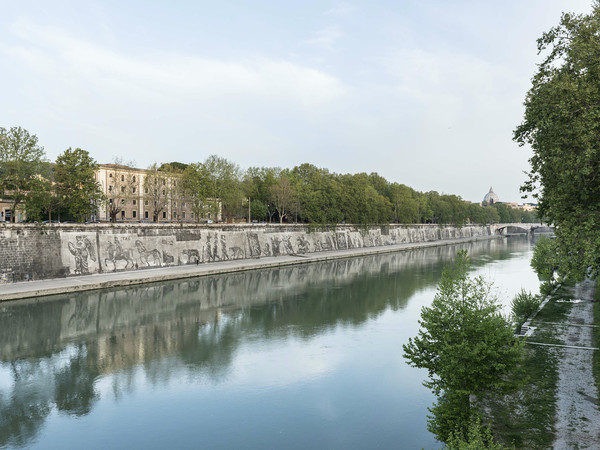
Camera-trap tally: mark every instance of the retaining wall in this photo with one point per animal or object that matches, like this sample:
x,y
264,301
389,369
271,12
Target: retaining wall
x,y
32,252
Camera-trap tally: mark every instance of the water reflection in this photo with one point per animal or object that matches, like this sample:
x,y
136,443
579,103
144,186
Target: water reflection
x,y
54,350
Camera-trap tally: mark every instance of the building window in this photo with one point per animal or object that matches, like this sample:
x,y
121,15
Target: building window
x,y
133,190
164,214
110,201
209,215
146,191
174,204
164,192
110,189
145,214
183,204
110,175
122,188
183,215
122,214
145,202
122,201
192,215
122,177
133,179
134,202
134,214
164,182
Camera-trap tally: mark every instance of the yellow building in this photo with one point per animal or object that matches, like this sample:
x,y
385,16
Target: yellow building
x,y
129,199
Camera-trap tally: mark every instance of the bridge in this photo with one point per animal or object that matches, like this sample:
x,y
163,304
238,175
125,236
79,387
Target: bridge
x,y
507,229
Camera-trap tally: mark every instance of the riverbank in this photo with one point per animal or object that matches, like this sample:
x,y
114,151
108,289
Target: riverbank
x,y
557,406
28,289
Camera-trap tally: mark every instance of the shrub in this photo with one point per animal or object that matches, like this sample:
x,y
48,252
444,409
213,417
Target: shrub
x,y
524,305
545,260
477,437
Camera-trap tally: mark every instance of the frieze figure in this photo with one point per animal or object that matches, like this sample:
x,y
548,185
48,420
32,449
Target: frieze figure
x,y
148,256
117,253
193,256
81,250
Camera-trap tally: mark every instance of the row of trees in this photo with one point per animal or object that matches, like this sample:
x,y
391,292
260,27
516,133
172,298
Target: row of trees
x,y
305,194
39,187
309,194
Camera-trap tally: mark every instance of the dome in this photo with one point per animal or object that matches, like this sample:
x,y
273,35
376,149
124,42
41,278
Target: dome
x,y
491,197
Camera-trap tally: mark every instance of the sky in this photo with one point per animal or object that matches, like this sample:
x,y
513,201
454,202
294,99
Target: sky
x,y
425,93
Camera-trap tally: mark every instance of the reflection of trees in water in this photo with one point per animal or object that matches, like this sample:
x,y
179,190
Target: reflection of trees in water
x,y
194,326
39,385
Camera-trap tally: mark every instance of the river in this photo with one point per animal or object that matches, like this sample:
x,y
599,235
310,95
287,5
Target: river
x,y
300,357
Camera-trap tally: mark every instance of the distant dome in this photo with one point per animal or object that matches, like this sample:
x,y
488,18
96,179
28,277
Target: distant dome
x,y
491,197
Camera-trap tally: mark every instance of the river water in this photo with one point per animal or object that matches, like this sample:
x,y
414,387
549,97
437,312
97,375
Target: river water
x,y
300,357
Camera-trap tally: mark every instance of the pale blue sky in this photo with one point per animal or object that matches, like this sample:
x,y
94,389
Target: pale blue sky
x,y
425,93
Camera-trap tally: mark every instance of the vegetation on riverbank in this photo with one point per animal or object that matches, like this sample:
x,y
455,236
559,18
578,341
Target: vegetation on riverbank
x,y
467,347
525,418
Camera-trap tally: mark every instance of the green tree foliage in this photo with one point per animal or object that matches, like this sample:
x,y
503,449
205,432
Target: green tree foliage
x,y
21,161
476,437
224,184
195,181
43,199
466,346
545,260
562,126
74,173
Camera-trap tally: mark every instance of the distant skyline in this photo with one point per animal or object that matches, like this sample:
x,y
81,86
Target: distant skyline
x,y
425,93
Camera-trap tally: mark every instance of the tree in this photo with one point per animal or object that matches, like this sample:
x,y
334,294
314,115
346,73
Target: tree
x,y
20,161
466,346
224,185
123,187
157,190
75,175
562,126
43,198
283,196
195,185
544,260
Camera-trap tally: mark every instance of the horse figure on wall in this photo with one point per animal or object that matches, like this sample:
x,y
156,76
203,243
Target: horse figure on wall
x,y
148,256
118,253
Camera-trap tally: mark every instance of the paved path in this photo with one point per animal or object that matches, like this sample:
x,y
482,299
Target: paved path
x,y
38,288
577,415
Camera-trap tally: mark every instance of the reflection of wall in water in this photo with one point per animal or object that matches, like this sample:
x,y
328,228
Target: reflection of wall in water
x,y
29,252
76,316
61,346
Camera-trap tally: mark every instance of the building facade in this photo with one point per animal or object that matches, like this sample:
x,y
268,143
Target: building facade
x,y
131,198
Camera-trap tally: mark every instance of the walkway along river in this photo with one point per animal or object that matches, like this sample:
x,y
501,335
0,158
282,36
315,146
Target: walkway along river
x,y
293,357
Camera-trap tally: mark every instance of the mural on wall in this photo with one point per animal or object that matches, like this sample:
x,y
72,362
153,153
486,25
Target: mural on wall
x,y
85,252
192,256
254,244
148,257
82,249
303,245
116,253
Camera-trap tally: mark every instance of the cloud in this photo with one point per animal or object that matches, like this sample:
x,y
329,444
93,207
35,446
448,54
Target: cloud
x,y
167,78
342,10
325,38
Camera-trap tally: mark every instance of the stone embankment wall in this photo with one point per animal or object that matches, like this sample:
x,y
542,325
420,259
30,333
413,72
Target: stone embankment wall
x,y
32,252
